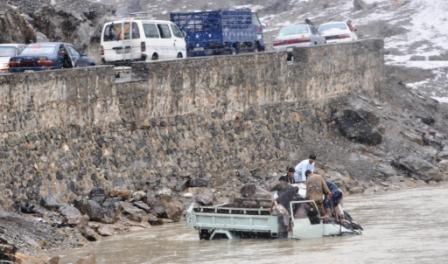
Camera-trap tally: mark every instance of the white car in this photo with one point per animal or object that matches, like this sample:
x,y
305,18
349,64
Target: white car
x,y
140,39
7,51
336,32
301,35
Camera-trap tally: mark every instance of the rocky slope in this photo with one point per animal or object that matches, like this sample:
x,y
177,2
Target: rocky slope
x,y
78,22
14,27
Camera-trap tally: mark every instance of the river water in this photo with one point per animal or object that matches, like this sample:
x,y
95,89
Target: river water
x,y
409,226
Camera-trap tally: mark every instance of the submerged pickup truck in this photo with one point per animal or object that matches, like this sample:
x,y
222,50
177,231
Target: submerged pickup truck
x,y
226,222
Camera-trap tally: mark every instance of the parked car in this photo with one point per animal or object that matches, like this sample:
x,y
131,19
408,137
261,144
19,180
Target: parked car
x,y
140,39
300,35
48,56
338,32
220,31
6,52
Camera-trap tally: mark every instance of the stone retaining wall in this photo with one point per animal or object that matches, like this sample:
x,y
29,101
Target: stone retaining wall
x,y
230,118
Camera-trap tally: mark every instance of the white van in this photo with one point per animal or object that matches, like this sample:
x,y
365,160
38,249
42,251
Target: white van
x,y
137,39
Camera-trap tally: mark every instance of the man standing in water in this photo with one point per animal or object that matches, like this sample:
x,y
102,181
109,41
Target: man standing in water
x,y
302,167
316,187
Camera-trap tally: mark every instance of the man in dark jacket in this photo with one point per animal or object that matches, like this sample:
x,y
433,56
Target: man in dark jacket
x,y
332,204
289,177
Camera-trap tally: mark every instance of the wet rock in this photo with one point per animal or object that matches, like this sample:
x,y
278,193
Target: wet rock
x,y
199,182
7,251
386,170
50,203
157,207
444,153
105,230
96,212
72,216
254,192
142,206
98,195
358,126
131,212
203,196
416,166
360,5
443,166
172,207
27,208
54,260
87,232
90,259
154,220
121,192
138,196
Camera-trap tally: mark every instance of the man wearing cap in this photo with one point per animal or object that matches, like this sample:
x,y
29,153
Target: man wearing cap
x,y
302,167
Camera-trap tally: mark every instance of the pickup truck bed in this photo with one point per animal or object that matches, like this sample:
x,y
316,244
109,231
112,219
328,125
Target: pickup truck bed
x,y
212,222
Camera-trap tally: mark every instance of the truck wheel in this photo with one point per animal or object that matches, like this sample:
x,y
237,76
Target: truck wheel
x,y
155,56
204,234
179,55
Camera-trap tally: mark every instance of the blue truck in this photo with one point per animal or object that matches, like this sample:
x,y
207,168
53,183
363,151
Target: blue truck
x,y
220,31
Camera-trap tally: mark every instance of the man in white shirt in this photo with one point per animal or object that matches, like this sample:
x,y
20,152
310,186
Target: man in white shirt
x,y
302,167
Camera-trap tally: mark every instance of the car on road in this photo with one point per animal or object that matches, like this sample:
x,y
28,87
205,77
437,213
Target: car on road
x,y
6,52
299,35
48,56
337,32
141,39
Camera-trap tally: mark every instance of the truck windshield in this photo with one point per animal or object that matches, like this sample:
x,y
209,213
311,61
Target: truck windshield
x,y
7,51
294,30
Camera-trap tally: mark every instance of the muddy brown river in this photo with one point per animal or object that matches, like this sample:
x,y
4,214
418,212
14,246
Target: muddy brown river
x,y
409,226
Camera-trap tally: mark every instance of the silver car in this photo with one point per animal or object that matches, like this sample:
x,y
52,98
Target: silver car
x,y
300,35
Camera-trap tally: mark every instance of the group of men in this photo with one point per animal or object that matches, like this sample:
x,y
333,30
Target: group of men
x,y
325,194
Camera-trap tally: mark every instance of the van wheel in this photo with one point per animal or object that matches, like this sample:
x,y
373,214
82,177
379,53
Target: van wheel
x,y
179,55
155,56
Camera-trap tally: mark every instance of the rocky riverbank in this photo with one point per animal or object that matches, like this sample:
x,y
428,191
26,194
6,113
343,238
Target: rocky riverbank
x,y
366,145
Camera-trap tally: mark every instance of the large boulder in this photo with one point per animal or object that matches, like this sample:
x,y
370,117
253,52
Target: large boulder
x,y
156,205
72,216
358,126
203,196
418,167
131,212
105,214
98,195
173,207
49,202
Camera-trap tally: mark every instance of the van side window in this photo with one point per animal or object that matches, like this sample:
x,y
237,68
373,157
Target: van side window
x,y
150,31
135,31
164,30
176,31
127,30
